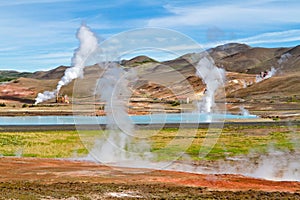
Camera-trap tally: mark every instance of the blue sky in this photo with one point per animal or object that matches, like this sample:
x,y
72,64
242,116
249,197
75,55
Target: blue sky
x,y
40,34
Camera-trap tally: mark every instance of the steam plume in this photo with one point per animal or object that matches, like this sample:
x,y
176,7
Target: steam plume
x,y
88,44
284,58
118,146
266,75
213,77
244,111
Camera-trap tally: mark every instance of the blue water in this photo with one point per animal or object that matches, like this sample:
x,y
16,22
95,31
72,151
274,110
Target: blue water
x,y
138,119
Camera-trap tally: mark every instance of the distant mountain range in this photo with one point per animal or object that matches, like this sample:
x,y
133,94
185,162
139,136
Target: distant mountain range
x,y
233,57
241,62
8,75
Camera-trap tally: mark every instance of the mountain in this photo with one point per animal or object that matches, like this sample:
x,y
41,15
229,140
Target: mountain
x,y
162,80
56,73
229,49
8,75
254,60
137,61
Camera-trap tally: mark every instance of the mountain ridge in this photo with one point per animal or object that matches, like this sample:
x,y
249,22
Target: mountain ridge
x,y
233,57
156,79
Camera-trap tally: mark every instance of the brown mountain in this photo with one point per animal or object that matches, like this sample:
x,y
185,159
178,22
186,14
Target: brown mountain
x,y
56,73
254,60
160,80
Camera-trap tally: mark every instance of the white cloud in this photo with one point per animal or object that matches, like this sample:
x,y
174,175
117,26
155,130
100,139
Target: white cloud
x,y
54,56
38,35
235,15
42,32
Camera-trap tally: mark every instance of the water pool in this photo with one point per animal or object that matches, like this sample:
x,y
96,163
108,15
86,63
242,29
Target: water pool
x,y
137,119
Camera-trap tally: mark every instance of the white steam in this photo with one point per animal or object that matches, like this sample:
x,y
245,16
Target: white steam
x,y
271,73
45,96
284,58
214,78
244,111
120,144
265,75
275,166
88,44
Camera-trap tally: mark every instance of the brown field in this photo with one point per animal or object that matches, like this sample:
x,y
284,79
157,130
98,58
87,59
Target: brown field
x,y
33,178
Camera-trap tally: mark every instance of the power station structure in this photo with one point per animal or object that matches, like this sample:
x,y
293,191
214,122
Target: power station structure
x,y
62,99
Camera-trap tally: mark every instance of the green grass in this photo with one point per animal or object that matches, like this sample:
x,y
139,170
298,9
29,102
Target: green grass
x,y
232,141
45,144
168,144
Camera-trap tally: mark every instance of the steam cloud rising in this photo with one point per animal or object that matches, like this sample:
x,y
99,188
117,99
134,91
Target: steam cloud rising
x,y
265,75
214,78
118,146
88,44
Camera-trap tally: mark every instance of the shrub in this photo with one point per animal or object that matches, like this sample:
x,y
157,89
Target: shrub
x,y
175,103
2,104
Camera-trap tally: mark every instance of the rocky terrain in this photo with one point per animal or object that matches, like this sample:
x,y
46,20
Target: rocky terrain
x,y
158,84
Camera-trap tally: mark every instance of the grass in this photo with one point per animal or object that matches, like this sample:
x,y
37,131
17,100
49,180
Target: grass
x,y
168,144
45,144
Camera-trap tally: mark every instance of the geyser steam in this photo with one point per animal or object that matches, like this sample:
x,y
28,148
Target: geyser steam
x,y
88,44
265,75
118,146
214,78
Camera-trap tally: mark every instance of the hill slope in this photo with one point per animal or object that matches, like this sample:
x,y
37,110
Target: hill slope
x,y
159,80
8,75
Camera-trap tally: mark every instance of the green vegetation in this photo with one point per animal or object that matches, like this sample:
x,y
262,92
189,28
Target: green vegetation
x,y
146,61
175,103
232,141
293,99
45,144
168,143
24,105
12,75
5,79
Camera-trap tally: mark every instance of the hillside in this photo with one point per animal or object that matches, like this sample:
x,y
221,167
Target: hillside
x,y
164,82
56,73
137,61
254,60
9,75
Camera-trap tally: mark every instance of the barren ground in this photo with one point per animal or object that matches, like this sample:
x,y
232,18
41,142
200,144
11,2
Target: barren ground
x,y
35,178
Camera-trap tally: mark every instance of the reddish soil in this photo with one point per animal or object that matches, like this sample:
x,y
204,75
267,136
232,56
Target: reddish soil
x,y
28,174
10,93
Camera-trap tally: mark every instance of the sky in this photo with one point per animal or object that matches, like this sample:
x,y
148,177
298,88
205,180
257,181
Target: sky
x,y
41,34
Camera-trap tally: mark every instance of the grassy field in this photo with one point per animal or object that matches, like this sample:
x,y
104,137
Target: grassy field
x,y
167,143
